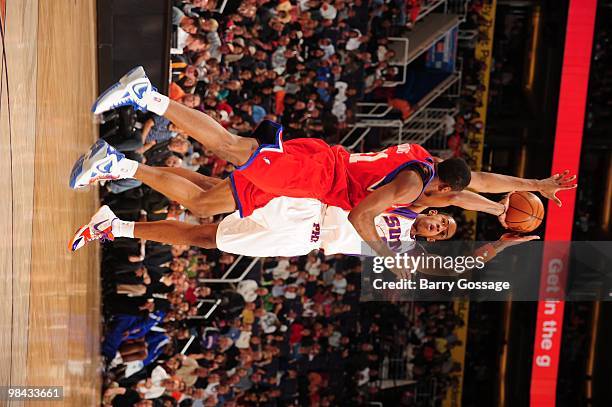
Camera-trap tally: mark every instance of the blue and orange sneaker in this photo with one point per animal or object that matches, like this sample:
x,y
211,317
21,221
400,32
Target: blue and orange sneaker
x,y
100,163
129,91
100,227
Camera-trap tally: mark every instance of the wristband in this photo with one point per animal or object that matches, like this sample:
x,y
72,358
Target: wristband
x,y
487,252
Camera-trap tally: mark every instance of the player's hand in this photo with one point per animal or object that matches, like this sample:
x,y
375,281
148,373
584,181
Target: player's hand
x,y
506,202
512,239
558,182
400,273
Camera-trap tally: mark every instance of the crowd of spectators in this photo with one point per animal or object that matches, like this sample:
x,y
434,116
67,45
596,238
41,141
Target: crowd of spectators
x,y
468,124
431,336
293,332
304,64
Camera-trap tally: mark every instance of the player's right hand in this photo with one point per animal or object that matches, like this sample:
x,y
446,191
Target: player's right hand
x,y
558,182
400,273
512,239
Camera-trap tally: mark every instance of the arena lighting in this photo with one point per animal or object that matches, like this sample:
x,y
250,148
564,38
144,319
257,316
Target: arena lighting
x,y
533,47
566,155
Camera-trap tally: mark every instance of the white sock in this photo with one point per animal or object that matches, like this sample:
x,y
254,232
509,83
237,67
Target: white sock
x,y
122,228
156,102
127,168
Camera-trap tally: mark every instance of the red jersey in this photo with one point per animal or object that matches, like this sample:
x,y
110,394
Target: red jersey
x,y
310,168
369,171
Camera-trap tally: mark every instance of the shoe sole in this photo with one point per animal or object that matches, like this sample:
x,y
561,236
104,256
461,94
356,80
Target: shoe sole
x,y
77,169
75,238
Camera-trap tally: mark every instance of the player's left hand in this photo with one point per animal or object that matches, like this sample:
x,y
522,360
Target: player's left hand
x,y
558,182
400,273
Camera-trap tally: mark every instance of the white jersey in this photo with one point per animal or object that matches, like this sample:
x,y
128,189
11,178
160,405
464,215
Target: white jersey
x,y
296,226
339,236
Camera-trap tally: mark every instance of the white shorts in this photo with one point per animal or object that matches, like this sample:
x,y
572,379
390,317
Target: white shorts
x,y
284,227
290,227
339,236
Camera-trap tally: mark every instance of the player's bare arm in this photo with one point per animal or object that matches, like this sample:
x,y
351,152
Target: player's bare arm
x,y
487,252
497,183
467,200
463,199
406,187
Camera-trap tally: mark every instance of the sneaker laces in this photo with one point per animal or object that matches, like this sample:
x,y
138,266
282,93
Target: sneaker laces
x,y
103,236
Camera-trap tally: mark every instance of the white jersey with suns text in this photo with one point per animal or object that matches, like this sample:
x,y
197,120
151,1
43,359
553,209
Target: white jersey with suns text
x,y
339,236
296,226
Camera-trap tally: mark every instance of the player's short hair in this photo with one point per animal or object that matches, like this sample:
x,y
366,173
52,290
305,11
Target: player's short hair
x,y
455,173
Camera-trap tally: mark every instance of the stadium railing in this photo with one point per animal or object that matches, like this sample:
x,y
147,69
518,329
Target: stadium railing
x,y
214,304
225,278
426,393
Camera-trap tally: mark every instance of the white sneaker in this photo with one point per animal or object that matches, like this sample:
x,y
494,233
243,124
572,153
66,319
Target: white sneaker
x,y
101,162
100,227
129,91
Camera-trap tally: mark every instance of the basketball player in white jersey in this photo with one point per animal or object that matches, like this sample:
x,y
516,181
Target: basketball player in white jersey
x,y
296,226
290,226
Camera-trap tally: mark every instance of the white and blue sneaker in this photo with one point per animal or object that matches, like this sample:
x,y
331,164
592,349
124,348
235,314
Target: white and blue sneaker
x,y
101,162
129,91
100,227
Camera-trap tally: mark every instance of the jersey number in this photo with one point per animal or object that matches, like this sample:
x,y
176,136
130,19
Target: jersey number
x,y
367,157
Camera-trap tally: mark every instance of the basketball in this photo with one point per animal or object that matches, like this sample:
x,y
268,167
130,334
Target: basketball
x,y
525,212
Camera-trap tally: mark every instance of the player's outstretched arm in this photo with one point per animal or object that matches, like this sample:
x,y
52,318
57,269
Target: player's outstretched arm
x,y
490,250
487,252
498,183
463,199
406,187
466,200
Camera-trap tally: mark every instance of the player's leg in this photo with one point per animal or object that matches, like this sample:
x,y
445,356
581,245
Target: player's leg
x,y
135,89
203,203
105,225
210,134
103,162
203,181
179,233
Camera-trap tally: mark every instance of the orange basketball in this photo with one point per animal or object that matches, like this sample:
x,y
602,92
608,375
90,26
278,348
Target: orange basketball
x,y
525,212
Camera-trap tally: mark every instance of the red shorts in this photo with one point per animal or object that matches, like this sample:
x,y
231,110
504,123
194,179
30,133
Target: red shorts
x,y
300,168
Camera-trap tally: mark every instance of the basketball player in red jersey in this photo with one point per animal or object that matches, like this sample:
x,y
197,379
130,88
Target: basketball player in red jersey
x,y
364,184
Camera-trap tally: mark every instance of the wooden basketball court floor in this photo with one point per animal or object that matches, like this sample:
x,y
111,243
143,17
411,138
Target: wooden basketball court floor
x,y
49,297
